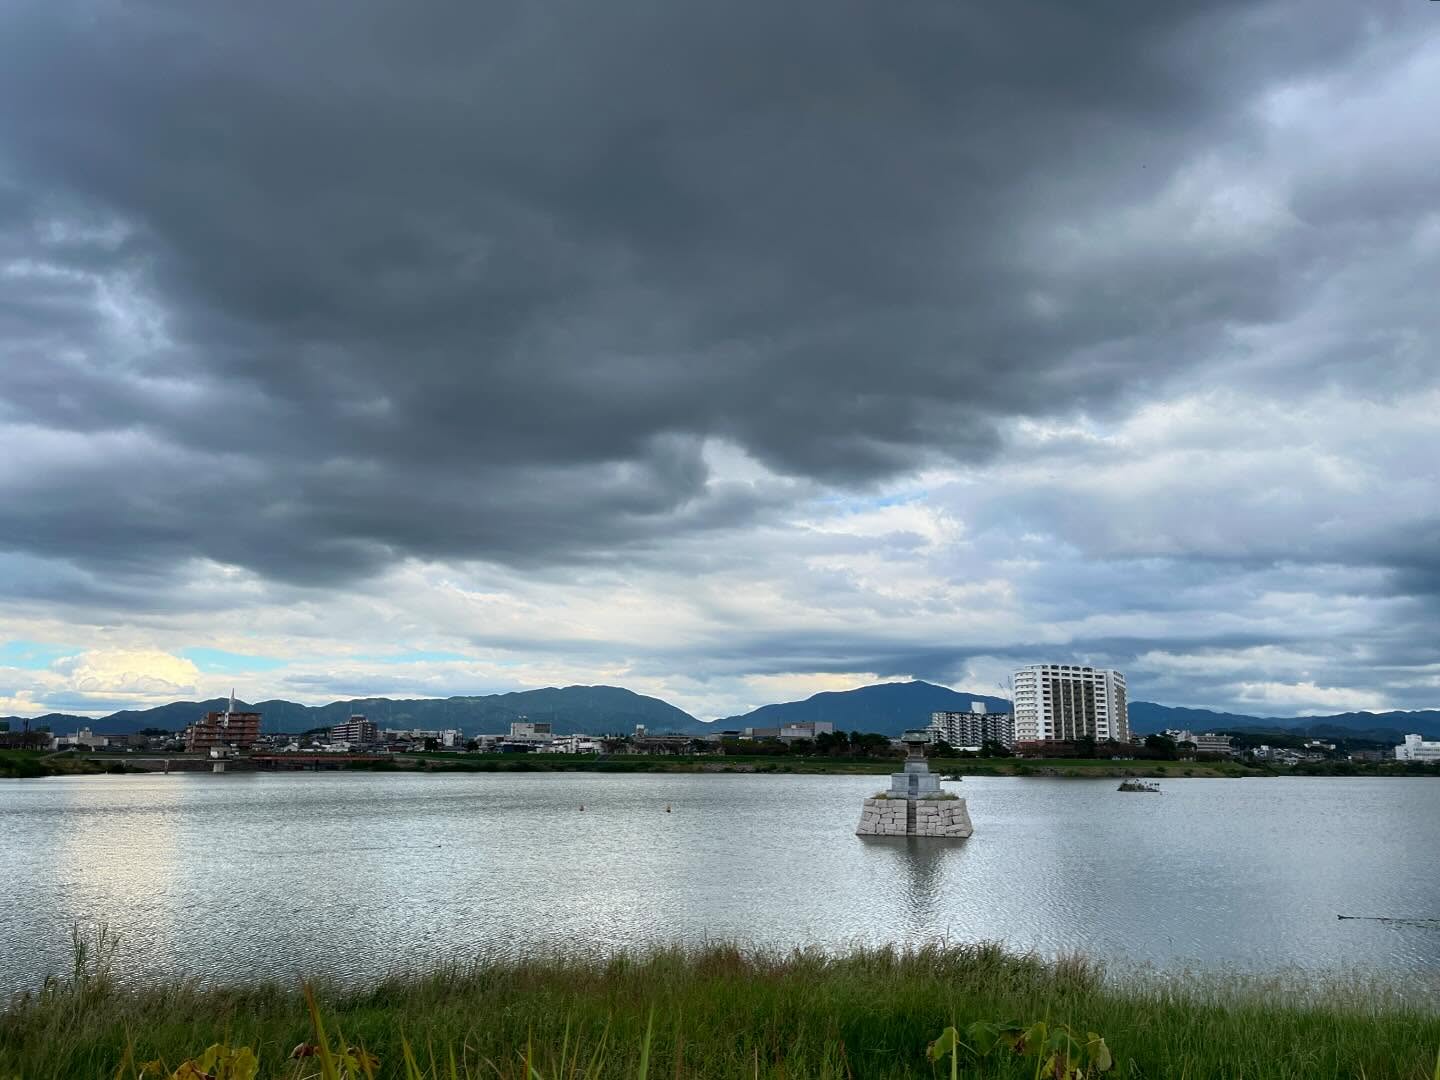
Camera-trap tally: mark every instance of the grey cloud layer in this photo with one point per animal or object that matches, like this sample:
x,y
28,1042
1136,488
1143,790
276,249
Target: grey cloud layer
x,y
507,265
504,283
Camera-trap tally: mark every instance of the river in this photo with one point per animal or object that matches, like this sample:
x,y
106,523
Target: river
x,y
349,875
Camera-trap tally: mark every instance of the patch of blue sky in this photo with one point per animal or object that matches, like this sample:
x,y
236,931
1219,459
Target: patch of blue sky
x,y
860,503
33,655
220,662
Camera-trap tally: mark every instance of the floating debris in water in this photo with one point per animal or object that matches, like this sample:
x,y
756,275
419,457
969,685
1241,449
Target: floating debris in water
x,y
1400,919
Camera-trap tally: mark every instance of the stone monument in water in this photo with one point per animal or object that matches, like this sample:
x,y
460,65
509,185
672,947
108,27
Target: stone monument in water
x,y
915,805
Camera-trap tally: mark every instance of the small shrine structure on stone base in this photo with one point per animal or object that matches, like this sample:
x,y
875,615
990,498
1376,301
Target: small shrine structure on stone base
x,y
915,805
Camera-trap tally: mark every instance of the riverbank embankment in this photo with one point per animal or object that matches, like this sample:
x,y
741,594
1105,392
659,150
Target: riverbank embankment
x,y
883,766
30,764
726,1012
27,764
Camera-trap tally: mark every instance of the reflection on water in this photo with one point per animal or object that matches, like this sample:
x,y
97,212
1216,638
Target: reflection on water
x,y
917,863
117,855
345,875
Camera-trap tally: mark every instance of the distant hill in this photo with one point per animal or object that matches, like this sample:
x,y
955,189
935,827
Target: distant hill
x,y
1426,722
888,708
55,721
572,709
171,717
1147,717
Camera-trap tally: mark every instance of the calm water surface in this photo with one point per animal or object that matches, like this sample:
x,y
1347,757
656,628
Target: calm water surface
x,y
349,875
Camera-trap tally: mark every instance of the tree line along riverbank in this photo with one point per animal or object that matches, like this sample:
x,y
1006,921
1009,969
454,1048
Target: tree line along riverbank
x,y
724,1011
31,764
16,764
795,765
960,767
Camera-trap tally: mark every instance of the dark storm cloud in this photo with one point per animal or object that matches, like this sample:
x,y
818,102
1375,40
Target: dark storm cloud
x,y
317,291
839,654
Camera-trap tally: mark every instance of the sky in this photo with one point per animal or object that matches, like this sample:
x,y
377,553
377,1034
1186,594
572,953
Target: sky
x,y
725,352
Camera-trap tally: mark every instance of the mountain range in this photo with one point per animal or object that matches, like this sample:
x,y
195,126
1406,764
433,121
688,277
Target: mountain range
x,y
888,708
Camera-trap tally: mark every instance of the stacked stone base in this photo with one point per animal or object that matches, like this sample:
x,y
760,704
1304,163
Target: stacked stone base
x,y
915,817
945,817
883,817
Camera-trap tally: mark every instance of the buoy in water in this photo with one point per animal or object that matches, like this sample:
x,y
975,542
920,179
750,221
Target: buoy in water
x,y
667,808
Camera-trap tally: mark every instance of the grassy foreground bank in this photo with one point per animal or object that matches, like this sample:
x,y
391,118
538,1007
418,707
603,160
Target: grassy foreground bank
x,y
723,1012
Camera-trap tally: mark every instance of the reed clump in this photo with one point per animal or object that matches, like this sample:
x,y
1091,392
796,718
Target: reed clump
x,y
714,1011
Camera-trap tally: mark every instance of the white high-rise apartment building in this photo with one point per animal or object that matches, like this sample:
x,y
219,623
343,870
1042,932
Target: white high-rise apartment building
x,y
1064,702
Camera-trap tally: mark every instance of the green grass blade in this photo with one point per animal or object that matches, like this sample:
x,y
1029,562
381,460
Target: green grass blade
x,y
328,1069
645,1046
412,1067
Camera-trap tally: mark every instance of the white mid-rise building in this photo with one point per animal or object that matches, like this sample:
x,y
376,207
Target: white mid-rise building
x,y
571,744
800,729
1206,742
446,737
972,730
530,731
1414,748
357,731
1065,702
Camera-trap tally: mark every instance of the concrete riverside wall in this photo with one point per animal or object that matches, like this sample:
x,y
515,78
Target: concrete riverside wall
x,y
914,817
194,763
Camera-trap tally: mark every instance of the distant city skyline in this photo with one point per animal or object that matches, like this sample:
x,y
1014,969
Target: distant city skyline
x,y
1001,702
728,354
